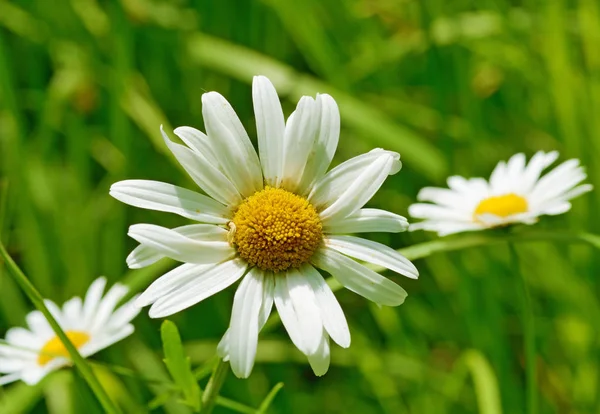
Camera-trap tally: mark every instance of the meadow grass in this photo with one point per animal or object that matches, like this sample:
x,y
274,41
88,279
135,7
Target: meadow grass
x,y
85,85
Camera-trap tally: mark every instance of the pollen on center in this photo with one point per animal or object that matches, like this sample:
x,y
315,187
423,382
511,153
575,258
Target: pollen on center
x,y
276,229
502,206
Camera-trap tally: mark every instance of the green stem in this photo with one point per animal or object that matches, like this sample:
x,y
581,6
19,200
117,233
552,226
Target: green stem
x,y
451,243
264,406
211,393
37,300
528,335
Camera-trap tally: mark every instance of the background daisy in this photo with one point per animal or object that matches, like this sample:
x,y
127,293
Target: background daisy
x,y
515,193
29,354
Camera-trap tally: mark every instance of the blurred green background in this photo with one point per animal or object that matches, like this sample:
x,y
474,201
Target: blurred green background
x,y
85,84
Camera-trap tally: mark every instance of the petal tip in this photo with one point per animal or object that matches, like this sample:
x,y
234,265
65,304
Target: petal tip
x,y
140,301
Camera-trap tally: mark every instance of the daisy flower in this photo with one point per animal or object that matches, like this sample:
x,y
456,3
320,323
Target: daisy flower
x,y
269,219
516,193
92,325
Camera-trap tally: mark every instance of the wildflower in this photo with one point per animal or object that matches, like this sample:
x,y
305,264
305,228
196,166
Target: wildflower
x,y
515,193
269,222
92,325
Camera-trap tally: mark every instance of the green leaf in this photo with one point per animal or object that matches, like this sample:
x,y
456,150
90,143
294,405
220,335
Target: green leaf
x,y
178,364
484,381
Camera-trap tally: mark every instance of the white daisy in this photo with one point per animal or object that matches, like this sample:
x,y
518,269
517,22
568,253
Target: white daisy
x,y
91,325
269,222
515,193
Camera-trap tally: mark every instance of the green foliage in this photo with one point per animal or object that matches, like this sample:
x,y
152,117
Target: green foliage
x,y
178,364
453,86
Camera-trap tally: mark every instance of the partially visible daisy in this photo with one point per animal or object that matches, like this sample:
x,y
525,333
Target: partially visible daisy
x,y
92,325
515,193
270,222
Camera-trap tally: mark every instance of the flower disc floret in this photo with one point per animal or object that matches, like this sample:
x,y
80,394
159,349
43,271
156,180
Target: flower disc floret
x,y
502,206
55,348
276,229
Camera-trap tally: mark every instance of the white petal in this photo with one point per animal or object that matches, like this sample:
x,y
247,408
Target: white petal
x,y
498,177
373,252
25,352
73,308
359,278
347,188
124,314
92,299
515,167
11,365
231,144
326,190
197,141
435,212
267,301
243,331
145,255
319,361
207,176
21,337
560,180
7,379
154,195
213,280
263,315
223,346
539,162
442,196
325,144
34,375
299,138
299,312
270,128
179,247
107,306
367,220
38,324
72,311
286,311
104,341
556,209
577,191
170,282
332,314
469,187
444,228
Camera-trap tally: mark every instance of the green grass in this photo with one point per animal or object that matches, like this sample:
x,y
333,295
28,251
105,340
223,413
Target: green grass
x,y
84,86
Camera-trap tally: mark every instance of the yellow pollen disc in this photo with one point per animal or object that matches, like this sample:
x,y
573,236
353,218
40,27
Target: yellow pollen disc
x,y
275,229
502,206
54,347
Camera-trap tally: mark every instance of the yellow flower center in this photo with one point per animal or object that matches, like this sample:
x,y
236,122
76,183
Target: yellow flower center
x,y
55,348
502,206
275,229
